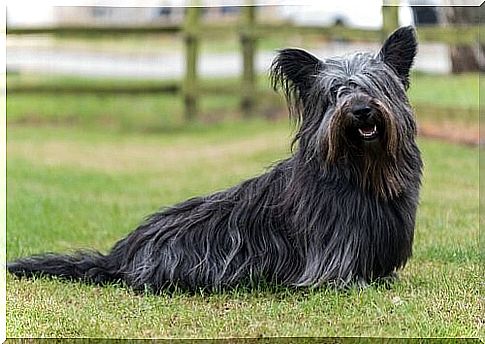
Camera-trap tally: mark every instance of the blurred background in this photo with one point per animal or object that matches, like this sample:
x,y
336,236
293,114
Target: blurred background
x,y
155,65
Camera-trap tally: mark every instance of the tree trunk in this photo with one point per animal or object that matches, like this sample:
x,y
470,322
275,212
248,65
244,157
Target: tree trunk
x,y
465,58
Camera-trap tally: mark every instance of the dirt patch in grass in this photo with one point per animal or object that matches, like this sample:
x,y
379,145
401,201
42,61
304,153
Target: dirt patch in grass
x,y
450,131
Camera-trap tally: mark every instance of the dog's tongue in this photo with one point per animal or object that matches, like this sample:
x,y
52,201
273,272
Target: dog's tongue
x,y
367,130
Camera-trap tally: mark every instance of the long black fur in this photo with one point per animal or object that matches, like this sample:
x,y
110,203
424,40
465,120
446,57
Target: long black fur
x,y
339,211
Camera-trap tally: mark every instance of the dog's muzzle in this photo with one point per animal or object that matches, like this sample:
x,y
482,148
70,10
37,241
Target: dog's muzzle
x,y
363,119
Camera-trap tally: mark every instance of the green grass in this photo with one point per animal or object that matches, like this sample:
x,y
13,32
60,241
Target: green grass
x,y
83,170
74,187
445,90
452,98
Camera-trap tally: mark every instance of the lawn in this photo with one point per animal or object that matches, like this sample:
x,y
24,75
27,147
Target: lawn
x,y
83,172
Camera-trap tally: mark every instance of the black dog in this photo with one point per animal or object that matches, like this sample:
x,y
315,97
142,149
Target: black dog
x,y
340,210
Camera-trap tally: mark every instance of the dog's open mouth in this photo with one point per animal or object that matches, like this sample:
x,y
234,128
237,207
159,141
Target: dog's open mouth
x,y
368,132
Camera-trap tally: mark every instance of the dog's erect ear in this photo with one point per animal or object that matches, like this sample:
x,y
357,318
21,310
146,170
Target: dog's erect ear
x,y
293,70
399,50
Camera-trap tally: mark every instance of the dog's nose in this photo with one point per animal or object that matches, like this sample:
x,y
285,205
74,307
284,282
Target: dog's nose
x,y
361,111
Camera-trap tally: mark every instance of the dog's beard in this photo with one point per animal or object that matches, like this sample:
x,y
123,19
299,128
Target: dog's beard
x,y
370,151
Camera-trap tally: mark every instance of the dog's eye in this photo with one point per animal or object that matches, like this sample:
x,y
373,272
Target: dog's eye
x,y
334,90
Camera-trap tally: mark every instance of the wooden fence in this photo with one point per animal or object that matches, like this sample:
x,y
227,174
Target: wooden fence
x,y
249,30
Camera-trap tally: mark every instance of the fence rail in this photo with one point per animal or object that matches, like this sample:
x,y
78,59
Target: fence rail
x,y
249,31
443,34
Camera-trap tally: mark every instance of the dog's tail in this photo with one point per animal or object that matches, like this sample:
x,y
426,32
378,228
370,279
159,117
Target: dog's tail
x,y
88,266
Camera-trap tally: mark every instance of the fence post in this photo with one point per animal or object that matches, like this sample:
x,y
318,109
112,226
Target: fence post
x,y
248,50
390,18
191,40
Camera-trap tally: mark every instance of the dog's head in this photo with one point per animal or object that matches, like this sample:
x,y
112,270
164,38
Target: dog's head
x,y
351,109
